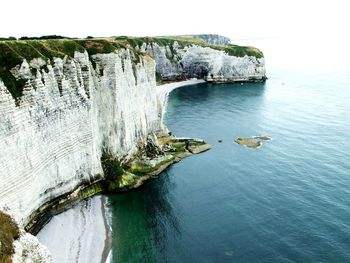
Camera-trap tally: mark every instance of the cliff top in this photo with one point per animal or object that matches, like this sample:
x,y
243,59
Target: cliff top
x,y
13,52
200,40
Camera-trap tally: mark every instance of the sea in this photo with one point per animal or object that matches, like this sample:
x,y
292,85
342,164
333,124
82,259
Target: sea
x,y
287,201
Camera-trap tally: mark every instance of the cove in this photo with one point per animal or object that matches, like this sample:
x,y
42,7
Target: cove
x,y
286,201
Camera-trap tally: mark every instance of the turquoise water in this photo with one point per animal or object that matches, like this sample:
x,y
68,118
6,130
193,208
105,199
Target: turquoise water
x,y
288,201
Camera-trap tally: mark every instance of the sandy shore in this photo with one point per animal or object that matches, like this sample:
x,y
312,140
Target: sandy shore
x,y
163,91
80,234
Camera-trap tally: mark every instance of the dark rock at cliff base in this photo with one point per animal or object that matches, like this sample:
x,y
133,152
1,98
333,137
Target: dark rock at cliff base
x,y
152,148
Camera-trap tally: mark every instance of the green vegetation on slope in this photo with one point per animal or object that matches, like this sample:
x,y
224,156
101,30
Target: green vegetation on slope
x,y
162,41
8,233
112,168
232,50
240,51
13,52
7,38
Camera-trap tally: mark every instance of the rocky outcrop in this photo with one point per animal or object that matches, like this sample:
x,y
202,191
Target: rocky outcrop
x,y
29,250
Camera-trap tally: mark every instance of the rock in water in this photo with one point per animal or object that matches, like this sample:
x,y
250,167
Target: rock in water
x,y
252,142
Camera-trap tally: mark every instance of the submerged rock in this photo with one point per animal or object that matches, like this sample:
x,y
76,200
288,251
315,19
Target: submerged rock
x,y
252,142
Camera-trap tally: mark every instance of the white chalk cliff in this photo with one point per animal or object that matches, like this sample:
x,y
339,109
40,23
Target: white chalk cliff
x,y
73,109
175,62
53,140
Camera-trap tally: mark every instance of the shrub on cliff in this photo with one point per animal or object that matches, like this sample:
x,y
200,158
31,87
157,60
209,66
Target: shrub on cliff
x,y
44,37
111,167
8,233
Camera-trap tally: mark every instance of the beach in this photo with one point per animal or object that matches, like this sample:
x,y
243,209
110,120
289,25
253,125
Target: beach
x,y
80,234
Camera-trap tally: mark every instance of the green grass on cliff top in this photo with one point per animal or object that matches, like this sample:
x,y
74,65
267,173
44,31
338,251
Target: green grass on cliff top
x,y
12,52
232,50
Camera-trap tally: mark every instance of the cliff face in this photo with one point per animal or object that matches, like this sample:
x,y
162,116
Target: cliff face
x,y
68,115
176,62
209,57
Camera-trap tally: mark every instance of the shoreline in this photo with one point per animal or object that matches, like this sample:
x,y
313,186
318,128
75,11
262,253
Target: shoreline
x,y
164,90
107,249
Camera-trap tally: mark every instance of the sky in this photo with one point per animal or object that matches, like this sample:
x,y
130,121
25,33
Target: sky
x,y
313,27
236,19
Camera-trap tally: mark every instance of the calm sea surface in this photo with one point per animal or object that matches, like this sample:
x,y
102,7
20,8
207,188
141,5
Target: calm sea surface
x,y
288,201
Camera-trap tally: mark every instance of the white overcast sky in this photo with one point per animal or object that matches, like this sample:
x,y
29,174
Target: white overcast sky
x,y
320,29
236,19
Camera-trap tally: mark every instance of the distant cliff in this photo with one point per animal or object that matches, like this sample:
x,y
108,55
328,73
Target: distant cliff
x,y
65,103
212,39
185,57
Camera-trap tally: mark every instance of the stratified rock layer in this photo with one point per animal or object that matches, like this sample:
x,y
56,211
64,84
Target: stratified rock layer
x,y
52,142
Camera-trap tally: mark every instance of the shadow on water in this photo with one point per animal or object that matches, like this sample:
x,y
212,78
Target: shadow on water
x,y
213,103
202,92
141,220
